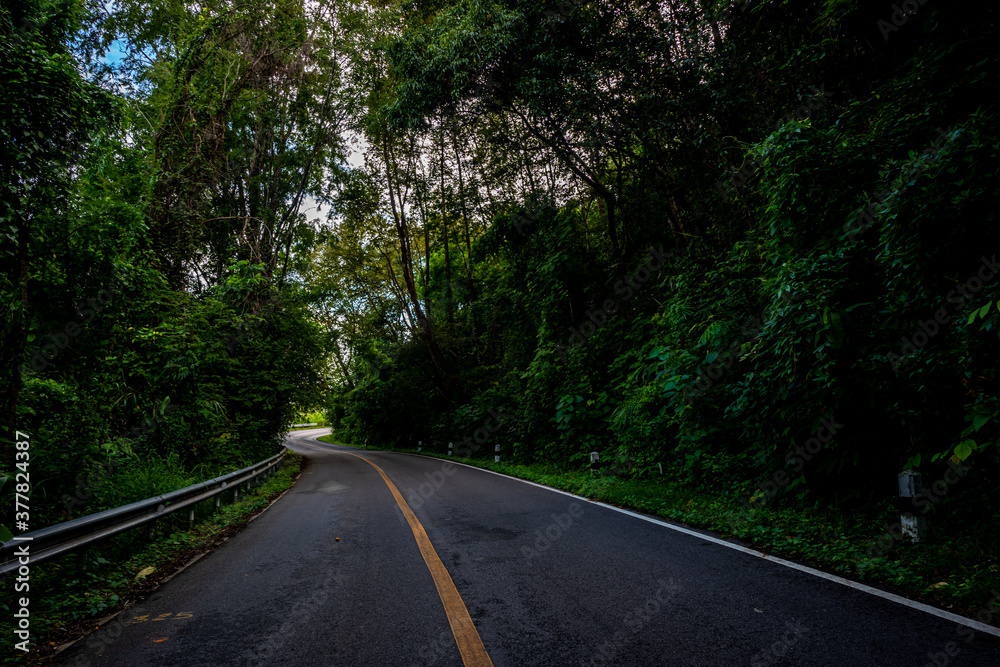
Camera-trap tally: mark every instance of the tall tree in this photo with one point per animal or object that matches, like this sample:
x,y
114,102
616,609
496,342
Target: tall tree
x,y
48,115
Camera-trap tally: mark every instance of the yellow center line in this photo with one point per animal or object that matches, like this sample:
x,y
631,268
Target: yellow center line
x,y
466,636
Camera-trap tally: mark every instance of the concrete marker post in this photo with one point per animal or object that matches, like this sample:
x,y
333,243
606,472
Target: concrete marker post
x,y
911,486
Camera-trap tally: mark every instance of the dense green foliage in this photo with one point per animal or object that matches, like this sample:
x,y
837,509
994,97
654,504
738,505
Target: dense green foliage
x,y
155,328
751,244
824,185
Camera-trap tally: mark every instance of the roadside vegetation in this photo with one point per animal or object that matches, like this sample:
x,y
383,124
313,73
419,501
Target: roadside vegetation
x,y
749,249
73,594
746,252
317,417
155,325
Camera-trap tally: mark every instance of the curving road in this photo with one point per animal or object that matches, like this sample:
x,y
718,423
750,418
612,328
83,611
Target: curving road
x,y
412,561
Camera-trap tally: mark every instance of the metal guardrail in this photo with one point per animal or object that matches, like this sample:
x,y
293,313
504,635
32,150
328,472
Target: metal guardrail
x,y
62,538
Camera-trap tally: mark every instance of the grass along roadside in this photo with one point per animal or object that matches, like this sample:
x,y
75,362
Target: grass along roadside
x,y
955,569
73,595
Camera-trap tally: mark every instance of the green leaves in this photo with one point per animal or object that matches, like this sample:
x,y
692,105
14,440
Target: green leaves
x,y
981,313
964,449
980,420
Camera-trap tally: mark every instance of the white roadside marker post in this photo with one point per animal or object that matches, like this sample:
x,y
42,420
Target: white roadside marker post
x,y
496,457
911,486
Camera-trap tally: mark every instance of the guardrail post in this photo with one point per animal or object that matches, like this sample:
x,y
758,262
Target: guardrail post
x,y
191,518
152,524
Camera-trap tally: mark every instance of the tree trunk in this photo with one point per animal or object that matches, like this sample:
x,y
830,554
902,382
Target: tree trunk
x,y
424,329
465,224
447,252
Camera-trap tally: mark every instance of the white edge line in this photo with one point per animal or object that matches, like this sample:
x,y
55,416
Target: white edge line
x,y
892,597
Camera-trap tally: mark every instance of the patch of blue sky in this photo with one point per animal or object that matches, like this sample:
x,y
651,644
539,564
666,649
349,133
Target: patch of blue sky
x,y
115,53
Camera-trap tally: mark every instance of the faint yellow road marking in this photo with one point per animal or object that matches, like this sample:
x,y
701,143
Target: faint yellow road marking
x,y
466,636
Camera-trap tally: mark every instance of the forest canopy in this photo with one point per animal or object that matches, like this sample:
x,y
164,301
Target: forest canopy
x,y
693,236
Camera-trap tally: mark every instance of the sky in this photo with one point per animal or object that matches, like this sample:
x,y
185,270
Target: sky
x,y
115,53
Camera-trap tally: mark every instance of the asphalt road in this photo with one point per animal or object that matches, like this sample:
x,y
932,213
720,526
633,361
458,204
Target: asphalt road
x,y
546,578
